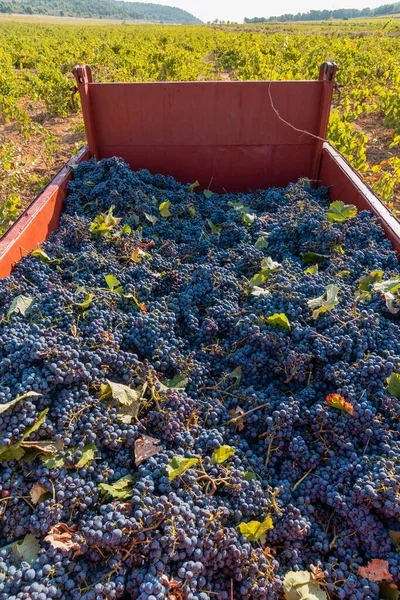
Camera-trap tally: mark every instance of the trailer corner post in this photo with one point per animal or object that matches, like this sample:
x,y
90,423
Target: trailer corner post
x,y
327,73
83,76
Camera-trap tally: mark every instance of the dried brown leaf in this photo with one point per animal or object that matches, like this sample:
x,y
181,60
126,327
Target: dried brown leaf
x,y
60,536
377,570
36,492
317,572
43,446
170,583
238,417
145,447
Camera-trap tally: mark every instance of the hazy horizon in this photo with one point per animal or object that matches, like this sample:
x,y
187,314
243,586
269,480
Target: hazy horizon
x,y
228,10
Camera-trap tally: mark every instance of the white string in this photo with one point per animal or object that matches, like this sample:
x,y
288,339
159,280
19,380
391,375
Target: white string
x,y
303,131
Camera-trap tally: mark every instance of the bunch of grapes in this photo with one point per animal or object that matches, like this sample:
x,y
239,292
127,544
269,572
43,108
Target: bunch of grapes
x,y
175,420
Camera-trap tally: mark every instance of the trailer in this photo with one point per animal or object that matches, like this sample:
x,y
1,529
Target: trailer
x,y
200,394
233,135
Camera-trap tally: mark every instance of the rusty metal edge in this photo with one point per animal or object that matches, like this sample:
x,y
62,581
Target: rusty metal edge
x,y
10,237
208,82
375,203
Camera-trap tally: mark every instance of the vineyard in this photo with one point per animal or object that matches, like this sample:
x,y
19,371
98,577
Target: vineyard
x,y
199,391
41,124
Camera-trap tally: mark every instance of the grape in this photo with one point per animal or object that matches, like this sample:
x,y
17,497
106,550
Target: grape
x,y
206,370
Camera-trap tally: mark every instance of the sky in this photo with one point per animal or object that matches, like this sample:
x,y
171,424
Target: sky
x,y
236,10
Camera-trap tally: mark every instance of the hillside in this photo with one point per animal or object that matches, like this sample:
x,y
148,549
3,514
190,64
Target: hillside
x,y
324,15
100,9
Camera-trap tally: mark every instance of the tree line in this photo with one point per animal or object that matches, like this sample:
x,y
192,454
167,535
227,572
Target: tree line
x,y
99,9
325,15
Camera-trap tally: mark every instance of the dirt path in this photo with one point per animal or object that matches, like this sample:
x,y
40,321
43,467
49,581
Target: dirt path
x,y
41,156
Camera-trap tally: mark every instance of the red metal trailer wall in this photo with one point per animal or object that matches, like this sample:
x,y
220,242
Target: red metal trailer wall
x,y
232,134
346,185
39,220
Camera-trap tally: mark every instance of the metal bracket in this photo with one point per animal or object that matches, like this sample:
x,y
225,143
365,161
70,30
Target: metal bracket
x,y
328,71
74,91
83,74
338,90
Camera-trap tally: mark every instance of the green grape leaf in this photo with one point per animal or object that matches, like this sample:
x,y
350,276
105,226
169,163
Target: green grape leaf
x,y
262,242
8,405
27,550
249,218
311,270
393,385
390,291
21,304
113,283
122,393
45,258
313,258
120,489
179,382
40,420
339,212
30,455
207,193
278,320
191,211
215,229
123,482
88,453
87,301
153,220
299,585
53,462
104,223
239,207
14,452
193,186
258,291
368,280
388,591
178,465
366,283
120,494
256,530
222,454
164,209
326,302
126,230
133,298
257,280
249,476
395,537
237,375
339,249
128,414
137,255
270,265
